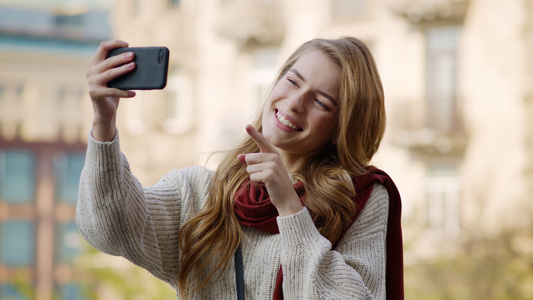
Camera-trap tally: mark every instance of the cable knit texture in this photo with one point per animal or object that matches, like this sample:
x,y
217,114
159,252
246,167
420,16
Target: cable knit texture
x,y
119,217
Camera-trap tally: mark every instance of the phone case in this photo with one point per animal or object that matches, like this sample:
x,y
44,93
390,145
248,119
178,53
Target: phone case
x,y
150,72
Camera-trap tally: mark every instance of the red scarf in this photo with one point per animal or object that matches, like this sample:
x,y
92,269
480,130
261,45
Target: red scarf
x,y
254,209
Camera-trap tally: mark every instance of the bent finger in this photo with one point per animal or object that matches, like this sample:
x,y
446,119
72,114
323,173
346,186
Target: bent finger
x,y
101,93
104,48
264,145
242,158
113,73
123,60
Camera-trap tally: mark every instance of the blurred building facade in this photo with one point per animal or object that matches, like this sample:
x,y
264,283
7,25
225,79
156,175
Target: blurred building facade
x,y
458,82
45,47
457,74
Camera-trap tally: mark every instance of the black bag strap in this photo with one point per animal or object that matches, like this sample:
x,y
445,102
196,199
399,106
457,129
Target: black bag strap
x,y
239,273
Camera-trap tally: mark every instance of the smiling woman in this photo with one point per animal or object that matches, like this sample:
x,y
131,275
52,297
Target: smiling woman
x,y
306,98
298,198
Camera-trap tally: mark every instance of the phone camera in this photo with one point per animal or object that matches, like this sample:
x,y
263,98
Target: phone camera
x,y
161,56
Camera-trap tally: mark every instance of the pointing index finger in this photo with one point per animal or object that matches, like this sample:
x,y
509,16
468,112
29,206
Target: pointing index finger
x,y
264,145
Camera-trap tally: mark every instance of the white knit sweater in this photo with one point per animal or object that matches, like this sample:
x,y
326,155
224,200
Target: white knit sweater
x,y
117,216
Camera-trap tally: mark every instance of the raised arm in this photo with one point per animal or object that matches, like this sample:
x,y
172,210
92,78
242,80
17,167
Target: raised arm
x,y
114,213
118,216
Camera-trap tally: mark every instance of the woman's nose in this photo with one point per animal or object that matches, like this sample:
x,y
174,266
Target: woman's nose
x,y
296,103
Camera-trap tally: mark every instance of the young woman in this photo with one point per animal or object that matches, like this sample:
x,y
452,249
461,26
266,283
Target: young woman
x,y
297,199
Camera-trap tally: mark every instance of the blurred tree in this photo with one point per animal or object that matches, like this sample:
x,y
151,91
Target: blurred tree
x,y
499,267
20,281
103,281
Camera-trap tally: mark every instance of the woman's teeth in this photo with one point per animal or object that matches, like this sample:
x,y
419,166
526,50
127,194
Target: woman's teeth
x,y
286,122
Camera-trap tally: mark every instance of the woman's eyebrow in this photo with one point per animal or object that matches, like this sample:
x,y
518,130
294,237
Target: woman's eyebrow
x,y
297,74
331,98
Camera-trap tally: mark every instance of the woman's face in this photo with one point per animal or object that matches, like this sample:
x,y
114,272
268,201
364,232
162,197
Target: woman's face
x,y
301,113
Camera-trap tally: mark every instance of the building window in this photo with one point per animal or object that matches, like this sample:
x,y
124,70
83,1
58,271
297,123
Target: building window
x,y
69,21
10,291
264,70
79,95
342,9
443,190
441,77
21,172
67,171
179,110
17,243
61,96
72,291
17,177
68,243
19,90
135,122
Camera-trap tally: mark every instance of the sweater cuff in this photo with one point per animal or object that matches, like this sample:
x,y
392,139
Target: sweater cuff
x,y
103,153
93,140
299,229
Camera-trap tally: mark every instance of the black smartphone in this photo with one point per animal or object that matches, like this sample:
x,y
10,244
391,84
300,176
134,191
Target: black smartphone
x,y
150,72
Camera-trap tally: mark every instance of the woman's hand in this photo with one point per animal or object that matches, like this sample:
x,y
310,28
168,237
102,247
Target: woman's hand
x,y
266,168
105,100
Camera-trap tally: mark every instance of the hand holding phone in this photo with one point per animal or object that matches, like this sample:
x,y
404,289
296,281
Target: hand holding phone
x,y
150,72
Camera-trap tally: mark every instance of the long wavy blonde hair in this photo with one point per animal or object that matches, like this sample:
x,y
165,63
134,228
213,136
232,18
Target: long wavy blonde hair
x,y
214,233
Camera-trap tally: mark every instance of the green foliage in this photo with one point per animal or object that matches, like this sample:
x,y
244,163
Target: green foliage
x,y
486,268
23,285
101,280
128,283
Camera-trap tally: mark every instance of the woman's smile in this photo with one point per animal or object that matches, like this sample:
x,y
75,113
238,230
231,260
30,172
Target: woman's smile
x,y
287,122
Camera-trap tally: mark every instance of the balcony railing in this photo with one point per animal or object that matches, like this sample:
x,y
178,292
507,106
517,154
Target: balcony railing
x,y
248,22
414,126
425,11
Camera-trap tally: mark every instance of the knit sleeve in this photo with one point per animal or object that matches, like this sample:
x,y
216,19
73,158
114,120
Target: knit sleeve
x,y
118,216
354,270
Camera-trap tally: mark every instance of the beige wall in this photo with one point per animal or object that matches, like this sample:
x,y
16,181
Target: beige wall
x,y
494,88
